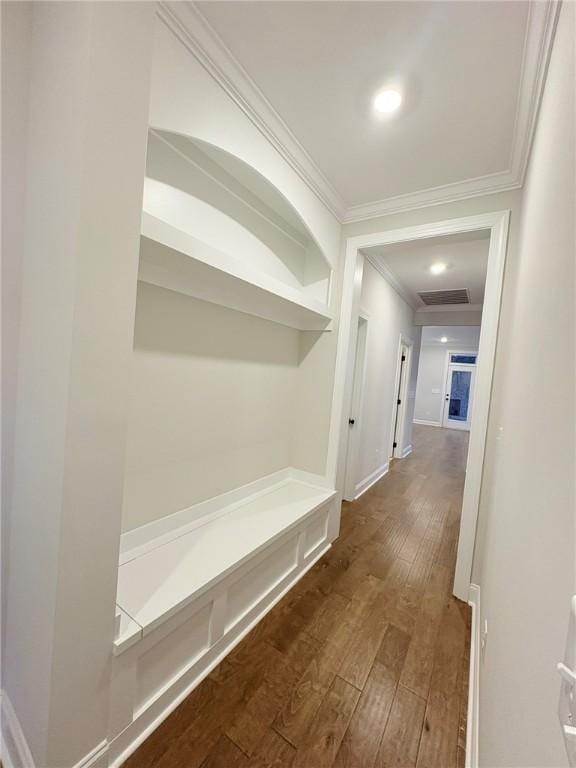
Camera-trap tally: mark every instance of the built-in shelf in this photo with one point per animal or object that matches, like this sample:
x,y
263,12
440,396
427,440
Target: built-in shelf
x,y
173,259
171,563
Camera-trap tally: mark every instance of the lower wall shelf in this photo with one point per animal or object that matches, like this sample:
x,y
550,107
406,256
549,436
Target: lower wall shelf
x,y
186,597
166,573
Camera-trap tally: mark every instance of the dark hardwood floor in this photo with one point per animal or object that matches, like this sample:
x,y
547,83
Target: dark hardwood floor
x,y
365,662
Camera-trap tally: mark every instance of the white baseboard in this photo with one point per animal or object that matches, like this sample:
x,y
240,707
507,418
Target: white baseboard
x,y
15,750
127,742
112,754
472,728
97,758
407,451
427,423
369,481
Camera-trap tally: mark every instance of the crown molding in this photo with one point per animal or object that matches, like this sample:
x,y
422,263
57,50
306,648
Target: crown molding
x,y
391,278
383,269
186,21
542,19
448,193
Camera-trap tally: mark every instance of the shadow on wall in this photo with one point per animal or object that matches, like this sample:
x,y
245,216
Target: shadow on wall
x,y
174,324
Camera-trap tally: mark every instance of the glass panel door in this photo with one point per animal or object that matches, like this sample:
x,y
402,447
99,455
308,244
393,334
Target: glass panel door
x,y
458,399
459,395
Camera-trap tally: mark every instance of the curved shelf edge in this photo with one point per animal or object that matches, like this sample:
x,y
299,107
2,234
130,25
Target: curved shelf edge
x,y
173,259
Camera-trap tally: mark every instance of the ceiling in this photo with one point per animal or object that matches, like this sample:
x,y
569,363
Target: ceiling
x,y
407,265
466,336
459,65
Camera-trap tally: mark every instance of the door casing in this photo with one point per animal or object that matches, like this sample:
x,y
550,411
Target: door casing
x,y
446,384
497,223
353,434
401,382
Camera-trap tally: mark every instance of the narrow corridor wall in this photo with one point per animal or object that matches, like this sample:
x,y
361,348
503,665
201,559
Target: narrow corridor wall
x,y
389,316
525,559
432,369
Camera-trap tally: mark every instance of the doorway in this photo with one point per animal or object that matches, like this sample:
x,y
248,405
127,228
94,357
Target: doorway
x,y
497,225
404,360
459,391
355,415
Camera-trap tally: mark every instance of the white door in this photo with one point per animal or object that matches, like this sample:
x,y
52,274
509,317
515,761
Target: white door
x,y
459,395
350,478
400,397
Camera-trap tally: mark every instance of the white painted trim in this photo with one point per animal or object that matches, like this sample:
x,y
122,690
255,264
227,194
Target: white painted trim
x,y
193,29
15,750
96,758
128,740
402,394
407,451
371,480
137,540
498,223
217,175
425,423
447,365
391,278
355,432
472,726
543,18
447,193
535,58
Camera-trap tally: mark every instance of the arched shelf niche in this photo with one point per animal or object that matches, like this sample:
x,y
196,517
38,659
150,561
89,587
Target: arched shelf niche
x,y
214,228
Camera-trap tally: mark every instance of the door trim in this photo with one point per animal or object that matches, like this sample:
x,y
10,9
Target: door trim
x,y
446,371
498,223
350,491
402,393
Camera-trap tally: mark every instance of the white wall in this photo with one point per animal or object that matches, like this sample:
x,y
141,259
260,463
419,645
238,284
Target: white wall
x,y
389,316
180,83
82,132
16,31
432,367
84,143
447,316
526,557
534,546
211,402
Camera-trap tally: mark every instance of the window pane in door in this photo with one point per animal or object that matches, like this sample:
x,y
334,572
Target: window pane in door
x,y
459,395
467,359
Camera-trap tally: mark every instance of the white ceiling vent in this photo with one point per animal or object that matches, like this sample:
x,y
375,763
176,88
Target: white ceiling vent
x,y
437,298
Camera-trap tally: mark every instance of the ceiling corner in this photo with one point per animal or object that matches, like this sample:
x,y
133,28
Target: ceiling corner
x,y
187,21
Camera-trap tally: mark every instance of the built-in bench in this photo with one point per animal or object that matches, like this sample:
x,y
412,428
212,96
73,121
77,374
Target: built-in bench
x,y
191,585
171,563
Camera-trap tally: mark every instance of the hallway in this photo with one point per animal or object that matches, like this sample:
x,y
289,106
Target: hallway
x,y
365,662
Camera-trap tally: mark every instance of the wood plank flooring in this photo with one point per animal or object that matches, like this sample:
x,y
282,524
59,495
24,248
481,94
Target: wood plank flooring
x,y
364,664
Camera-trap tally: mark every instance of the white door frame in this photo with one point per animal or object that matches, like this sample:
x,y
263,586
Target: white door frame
x,y
447,423
401,391
353,433
446,389
498,224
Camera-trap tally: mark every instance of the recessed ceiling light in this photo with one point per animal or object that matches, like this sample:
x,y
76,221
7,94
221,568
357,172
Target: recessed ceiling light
x,y
444,339
438,268
387,101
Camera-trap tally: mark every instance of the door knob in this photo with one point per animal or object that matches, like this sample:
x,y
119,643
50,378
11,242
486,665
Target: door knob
x,y
351,422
